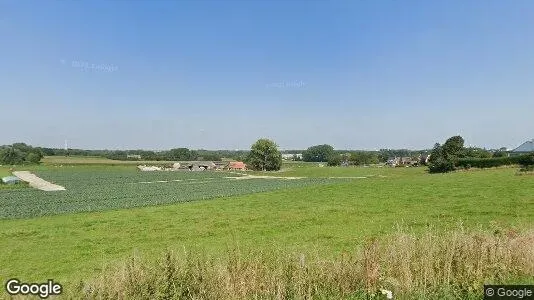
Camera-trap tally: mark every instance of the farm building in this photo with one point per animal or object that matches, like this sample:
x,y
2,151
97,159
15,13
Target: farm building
x,y
287,156
221,165
237,165
392,162
149,168
199,165
424,159
10,180
403,161
524,148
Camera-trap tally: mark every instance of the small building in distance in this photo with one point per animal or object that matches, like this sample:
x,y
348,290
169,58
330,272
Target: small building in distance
x,y
221,165
237,165
199,165
424,159
393,161
10,180
133,156
288,156
526,147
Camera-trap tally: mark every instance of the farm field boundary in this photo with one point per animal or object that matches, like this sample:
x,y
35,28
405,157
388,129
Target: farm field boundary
x,y
37,182
99,189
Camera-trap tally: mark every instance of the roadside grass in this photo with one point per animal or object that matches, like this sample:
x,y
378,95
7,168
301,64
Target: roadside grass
x,y
451,265
328,219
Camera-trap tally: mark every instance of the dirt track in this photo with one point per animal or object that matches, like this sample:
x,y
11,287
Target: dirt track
x,y
37,182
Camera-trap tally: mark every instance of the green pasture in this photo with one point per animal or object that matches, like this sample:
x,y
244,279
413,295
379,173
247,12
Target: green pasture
x,y
328,218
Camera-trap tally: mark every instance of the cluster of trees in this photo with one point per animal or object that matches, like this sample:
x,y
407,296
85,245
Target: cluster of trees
x,y
453,155
444,158
326,153
319,153
356,158
264,156
20,154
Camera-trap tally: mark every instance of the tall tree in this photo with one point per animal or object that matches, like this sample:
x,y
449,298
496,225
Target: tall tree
x,y
265,156
179,154
443,158
318,153
11,156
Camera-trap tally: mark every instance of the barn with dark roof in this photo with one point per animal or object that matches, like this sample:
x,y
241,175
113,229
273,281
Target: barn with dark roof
x,y
526,147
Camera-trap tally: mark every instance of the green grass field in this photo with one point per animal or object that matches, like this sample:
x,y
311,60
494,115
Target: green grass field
x,y
329,218
4,171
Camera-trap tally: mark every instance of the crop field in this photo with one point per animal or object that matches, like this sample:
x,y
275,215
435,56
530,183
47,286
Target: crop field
x,y
110,213
97,189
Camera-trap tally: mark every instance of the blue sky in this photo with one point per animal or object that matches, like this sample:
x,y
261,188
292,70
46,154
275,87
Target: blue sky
x,y
221,74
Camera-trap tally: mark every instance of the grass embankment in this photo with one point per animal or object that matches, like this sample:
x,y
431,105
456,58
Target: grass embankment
x,y
452,265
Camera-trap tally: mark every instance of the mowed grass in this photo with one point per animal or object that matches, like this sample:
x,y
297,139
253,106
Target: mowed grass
x,y
4,171
328,219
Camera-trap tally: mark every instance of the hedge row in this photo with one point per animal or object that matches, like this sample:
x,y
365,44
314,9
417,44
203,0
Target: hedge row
x,y
524,160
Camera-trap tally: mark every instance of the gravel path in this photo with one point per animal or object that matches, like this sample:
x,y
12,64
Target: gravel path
x,y
37,182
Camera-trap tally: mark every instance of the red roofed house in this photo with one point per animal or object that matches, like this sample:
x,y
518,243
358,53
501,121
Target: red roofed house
x,y
237,165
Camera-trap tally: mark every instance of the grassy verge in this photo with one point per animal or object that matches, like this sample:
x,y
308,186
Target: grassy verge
x,y
451,265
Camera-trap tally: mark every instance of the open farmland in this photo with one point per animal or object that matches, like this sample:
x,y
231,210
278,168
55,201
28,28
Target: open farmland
x,y
291,216
98,188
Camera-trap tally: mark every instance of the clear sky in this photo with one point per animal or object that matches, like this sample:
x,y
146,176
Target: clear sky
x,y
129,74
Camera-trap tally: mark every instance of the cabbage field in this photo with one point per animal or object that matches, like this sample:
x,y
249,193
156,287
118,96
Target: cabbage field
x,y
98,189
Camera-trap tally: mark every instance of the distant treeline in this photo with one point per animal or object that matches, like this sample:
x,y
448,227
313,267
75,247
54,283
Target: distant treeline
x,y
172,154
19,154
326,153
360,157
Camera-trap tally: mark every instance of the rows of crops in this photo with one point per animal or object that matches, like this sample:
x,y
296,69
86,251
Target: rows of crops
x,y
97,190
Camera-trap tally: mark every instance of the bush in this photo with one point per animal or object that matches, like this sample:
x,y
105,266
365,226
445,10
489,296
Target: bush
x,y
33,158
264,156
444,157
334,160
495,162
